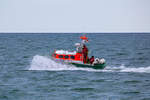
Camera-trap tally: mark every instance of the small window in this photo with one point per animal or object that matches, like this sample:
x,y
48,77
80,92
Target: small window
x,y
60,56
66,57
72,57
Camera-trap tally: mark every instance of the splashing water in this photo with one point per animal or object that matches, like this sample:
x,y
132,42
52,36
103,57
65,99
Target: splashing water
x,y
45,63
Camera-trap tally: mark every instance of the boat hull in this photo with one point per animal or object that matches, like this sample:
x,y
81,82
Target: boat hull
x,y
97,66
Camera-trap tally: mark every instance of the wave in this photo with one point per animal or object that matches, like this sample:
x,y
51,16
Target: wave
x,y
44,63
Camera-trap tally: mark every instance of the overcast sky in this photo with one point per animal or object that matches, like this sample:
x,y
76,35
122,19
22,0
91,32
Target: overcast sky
x,y
74,15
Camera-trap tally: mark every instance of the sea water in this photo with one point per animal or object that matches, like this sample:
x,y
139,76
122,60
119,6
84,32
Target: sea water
x,y
27,71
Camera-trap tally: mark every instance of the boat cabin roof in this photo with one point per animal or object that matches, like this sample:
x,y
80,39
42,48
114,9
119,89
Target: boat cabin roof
x,y
65,52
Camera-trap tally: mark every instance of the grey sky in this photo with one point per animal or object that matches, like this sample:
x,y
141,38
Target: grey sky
x,y
74,15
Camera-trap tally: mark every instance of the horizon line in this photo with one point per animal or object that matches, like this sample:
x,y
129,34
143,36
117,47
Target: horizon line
x,y
72,32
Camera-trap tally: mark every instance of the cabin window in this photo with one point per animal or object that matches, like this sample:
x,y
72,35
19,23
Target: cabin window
x,y
60,56
72,57
66,57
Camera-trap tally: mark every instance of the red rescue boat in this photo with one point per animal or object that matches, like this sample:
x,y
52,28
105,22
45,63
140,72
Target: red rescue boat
x,y
79,57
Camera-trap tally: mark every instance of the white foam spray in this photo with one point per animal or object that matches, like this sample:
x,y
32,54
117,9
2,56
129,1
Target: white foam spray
x,y
45,63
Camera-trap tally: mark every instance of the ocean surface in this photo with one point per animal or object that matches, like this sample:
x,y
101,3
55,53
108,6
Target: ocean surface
x,y
27,71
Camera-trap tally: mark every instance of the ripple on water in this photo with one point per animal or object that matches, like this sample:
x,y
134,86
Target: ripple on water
x,y
131,92
140,53
100,80
82,89
3,97
146,99
132,81
25,56
14,91
121,54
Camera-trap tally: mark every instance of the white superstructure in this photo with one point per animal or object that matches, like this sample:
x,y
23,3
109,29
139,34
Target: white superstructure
x,y
65,52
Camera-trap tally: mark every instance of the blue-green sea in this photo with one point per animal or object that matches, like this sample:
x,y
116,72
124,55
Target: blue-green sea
x,y
27,71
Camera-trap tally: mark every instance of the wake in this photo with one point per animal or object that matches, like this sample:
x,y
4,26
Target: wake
x,y
45,63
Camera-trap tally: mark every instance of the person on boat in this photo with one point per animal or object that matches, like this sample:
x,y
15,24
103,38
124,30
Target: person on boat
x,y
85,53
78,47
91,60
84,48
